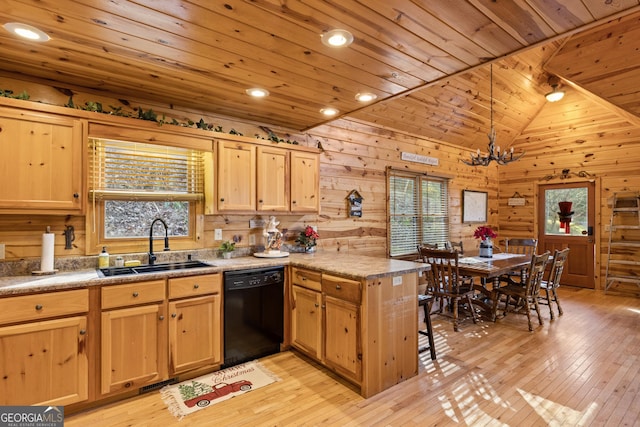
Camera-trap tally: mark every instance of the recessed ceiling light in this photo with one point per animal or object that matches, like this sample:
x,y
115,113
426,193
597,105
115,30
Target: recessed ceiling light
x,y
329,111
337,38
27,31
257,92
366,96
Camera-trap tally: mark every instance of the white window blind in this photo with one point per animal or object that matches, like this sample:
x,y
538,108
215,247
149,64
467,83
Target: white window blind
x,y
418,211
121,170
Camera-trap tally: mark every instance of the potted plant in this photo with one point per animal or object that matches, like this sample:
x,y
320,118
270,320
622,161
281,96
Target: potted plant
x,y
226,248
307,238
485,233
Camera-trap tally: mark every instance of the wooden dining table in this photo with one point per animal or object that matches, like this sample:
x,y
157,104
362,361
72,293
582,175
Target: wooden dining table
x,y
487,269
491,268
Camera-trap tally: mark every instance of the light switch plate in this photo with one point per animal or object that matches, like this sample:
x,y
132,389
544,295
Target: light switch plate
x,y
217,234
1,250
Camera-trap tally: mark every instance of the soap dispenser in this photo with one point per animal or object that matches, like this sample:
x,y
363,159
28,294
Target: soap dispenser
x,y
103,258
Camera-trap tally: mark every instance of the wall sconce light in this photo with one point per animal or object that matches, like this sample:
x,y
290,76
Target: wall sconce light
x,y
555,94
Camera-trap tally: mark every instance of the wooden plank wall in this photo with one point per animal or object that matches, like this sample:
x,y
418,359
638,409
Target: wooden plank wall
x,y
355,156
580,133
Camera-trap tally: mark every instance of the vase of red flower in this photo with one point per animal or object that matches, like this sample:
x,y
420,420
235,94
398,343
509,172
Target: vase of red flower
x,y
307,239
486,234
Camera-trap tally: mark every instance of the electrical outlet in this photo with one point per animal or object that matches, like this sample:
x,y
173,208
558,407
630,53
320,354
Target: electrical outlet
x,y
217,234
1,250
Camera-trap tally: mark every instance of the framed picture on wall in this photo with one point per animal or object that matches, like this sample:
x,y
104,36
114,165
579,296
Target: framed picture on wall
x,y
474,206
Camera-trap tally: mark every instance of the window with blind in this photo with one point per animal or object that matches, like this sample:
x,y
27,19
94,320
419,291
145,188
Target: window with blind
x,y
131,184
418,211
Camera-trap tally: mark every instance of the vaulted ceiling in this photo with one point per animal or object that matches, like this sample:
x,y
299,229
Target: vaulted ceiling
x,y
427,61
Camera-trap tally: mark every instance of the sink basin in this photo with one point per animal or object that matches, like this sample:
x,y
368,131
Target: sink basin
x,y
141,269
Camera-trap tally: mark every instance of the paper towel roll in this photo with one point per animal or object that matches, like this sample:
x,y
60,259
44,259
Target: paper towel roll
x,y
46,261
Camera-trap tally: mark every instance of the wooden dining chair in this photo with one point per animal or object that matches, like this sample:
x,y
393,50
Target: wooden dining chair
x,y
526,247
458,247
521,246
550,285
523,296
444,283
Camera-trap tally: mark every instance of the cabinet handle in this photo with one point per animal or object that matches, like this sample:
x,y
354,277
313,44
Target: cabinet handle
x,y
324,306
38,307
260,201
135,295
304,279
317,305
76,195
174,315
161,317
338,287
222,199
294,202
196,286
83,331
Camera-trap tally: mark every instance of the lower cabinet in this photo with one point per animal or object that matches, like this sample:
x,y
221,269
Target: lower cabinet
x,y
306,327
44,362
134,336
342,342
195,327
325,320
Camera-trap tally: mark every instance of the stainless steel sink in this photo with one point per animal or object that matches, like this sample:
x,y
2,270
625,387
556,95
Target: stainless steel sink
x,y
141,269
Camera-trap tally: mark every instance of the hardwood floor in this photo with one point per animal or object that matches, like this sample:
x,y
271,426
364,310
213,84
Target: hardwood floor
x,y
582,369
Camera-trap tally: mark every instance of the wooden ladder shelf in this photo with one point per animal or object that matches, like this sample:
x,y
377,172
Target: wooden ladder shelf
x,y
623,255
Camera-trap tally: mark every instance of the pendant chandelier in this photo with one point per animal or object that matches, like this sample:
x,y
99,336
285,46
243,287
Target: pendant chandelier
x,y
502,158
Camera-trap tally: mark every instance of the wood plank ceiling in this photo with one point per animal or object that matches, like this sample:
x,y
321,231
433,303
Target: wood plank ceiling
x,y
425,60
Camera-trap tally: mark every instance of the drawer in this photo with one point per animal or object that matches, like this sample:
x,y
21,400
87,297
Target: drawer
x,y
133,294
181,287
306,278
41,306
344,289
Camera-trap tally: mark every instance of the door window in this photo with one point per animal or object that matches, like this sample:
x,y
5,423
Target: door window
x,y
566,211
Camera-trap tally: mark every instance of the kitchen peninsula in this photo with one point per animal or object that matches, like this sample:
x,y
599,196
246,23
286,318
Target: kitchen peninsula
x,y
367,328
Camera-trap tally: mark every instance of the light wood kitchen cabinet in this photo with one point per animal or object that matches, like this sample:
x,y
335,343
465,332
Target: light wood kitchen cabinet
x,y
195,327
342,343
44,360
305,182
306,312
325,320
41,156
236,176
263,178
272,176
134,336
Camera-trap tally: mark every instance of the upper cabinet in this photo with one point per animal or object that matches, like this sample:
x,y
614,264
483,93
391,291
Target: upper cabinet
x,y
272,179
305,182
40,162
236,176
255,177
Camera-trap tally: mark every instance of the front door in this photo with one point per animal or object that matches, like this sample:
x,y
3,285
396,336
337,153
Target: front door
x,y
567,219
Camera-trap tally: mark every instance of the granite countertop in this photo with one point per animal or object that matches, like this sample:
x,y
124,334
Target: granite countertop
x,y
350,266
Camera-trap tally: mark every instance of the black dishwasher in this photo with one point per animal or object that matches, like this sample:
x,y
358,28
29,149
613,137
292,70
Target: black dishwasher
x,y
253,314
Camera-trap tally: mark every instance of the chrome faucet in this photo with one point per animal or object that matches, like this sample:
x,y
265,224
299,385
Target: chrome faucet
x,y
152,257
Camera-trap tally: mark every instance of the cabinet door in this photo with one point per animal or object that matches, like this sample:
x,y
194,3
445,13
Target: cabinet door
x,y
236,176
342,349
306,321
305,182
44,363
195,326
41,156
273,175
133,347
